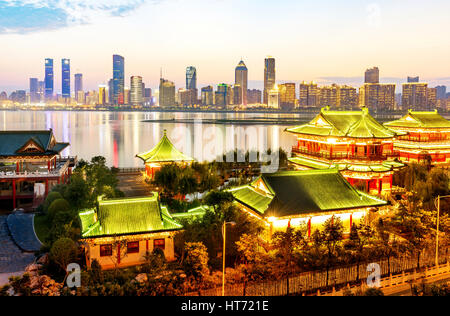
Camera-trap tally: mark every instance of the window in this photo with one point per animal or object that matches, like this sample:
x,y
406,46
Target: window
x,y
159,243
105,250
133,247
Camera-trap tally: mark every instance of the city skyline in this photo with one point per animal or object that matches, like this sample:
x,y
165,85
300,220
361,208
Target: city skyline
x,y
324,36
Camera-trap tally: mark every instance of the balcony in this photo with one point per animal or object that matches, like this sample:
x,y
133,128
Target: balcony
x,y
345,156
62,165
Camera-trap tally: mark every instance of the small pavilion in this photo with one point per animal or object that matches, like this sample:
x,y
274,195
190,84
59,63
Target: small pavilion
x,y
162,154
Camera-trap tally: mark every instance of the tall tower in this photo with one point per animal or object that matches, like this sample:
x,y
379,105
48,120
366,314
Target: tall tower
x,y
49,78
65,78
78,84
34,90
269,77
136,93
118,80
372,75
191,78
241,79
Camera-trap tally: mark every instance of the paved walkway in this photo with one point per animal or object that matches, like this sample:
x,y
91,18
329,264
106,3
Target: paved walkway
x,y
12,259
21,228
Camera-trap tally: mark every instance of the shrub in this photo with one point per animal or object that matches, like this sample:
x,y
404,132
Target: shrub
x,y
52,196
57,206
63,252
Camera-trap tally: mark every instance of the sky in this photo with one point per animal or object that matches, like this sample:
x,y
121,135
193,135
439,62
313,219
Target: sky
x,y
322,40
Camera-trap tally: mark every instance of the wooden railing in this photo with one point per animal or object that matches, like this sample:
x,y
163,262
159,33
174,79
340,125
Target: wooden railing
x,y
342,156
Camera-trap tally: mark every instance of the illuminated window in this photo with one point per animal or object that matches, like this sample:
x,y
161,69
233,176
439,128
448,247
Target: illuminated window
x,y
133,247
159,243
105,250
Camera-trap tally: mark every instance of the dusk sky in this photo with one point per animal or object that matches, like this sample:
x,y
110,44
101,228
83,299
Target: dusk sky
x,y
323,40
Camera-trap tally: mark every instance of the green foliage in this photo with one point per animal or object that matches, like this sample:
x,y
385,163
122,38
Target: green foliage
x,y
373,292
195,263
52,196
57,206
63,252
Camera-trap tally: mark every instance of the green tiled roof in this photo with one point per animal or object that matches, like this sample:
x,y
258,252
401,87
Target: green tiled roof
x,y
126,217
309,163
12,141
165,151
421,120
192,213
297,193
354,124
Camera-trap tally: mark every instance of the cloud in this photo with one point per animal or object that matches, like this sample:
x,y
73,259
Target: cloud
x,y
25,16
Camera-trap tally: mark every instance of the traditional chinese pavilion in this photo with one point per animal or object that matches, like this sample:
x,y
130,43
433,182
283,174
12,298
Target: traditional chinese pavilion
x,y
352,141
30,164
120,232
163,153
427,137
295,198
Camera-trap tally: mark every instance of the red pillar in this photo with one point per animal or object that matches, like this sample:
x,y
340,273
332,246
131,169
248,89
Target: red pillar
x,y
351,222
14,193
146,245
49,167
380,185
17,167
309,228
46,187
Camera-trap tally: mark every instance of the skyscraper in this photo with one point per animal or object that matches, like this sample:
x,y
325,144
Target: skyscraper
x,y
136,90
414,96
65,78
309,95
102,95
49,78
34,90
378,97
441,92
269,77
413,79
78,85
208,95
241,80
372,75
118,80
287,96
191,78
166,93
254,96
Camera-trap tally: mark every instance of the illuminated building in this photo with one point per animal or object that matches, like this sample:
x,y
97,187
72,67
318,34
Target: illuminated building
x,y
208,95
237,95
65,78
347,97
428,137
186,97
377,97
309,95
441,92
414,96
309,198
274,98
163,153
287,96
372,75
166,93
102,95
49,79
269,77
191,85
413,79
432,98
241,80
352,141
328,96
118,92
120,233
78,85
81,97
254,96
136,91
223,95
31,164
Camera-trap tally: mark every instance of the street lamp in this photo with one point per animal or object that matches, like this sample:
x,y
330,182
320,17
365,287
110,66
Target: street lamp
x,y
437,203
224,233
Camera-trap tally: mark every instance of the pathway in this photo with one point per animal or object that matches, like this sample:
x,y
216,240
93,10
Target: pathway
x,y
12,259
21,227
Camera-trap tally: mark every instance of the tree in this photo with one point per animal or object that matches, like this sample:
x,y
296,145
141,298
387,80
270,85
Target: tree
x,y
195,263
52,196
286,245
356,245
63,252
217,199
57,206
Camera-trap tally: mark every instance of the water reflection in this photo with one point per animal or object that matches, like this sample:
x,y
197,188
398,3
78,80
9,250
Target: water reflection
x,y
119,136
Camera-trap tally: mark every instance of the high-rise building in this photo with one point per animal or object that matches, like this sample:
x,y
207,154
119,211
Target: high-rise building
x,y
118,80
65,78
287,96
126,96
208,96
413,79
186,97
254,96
136,91
347,97
49,77
34,90
110,91
223,95
148,96
378,97
191,78
328,96
241,80
414,96
41,90
102,95
372,75
237,95
432,98
269,77
78,85
441,92
166,93
274,98
309,95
